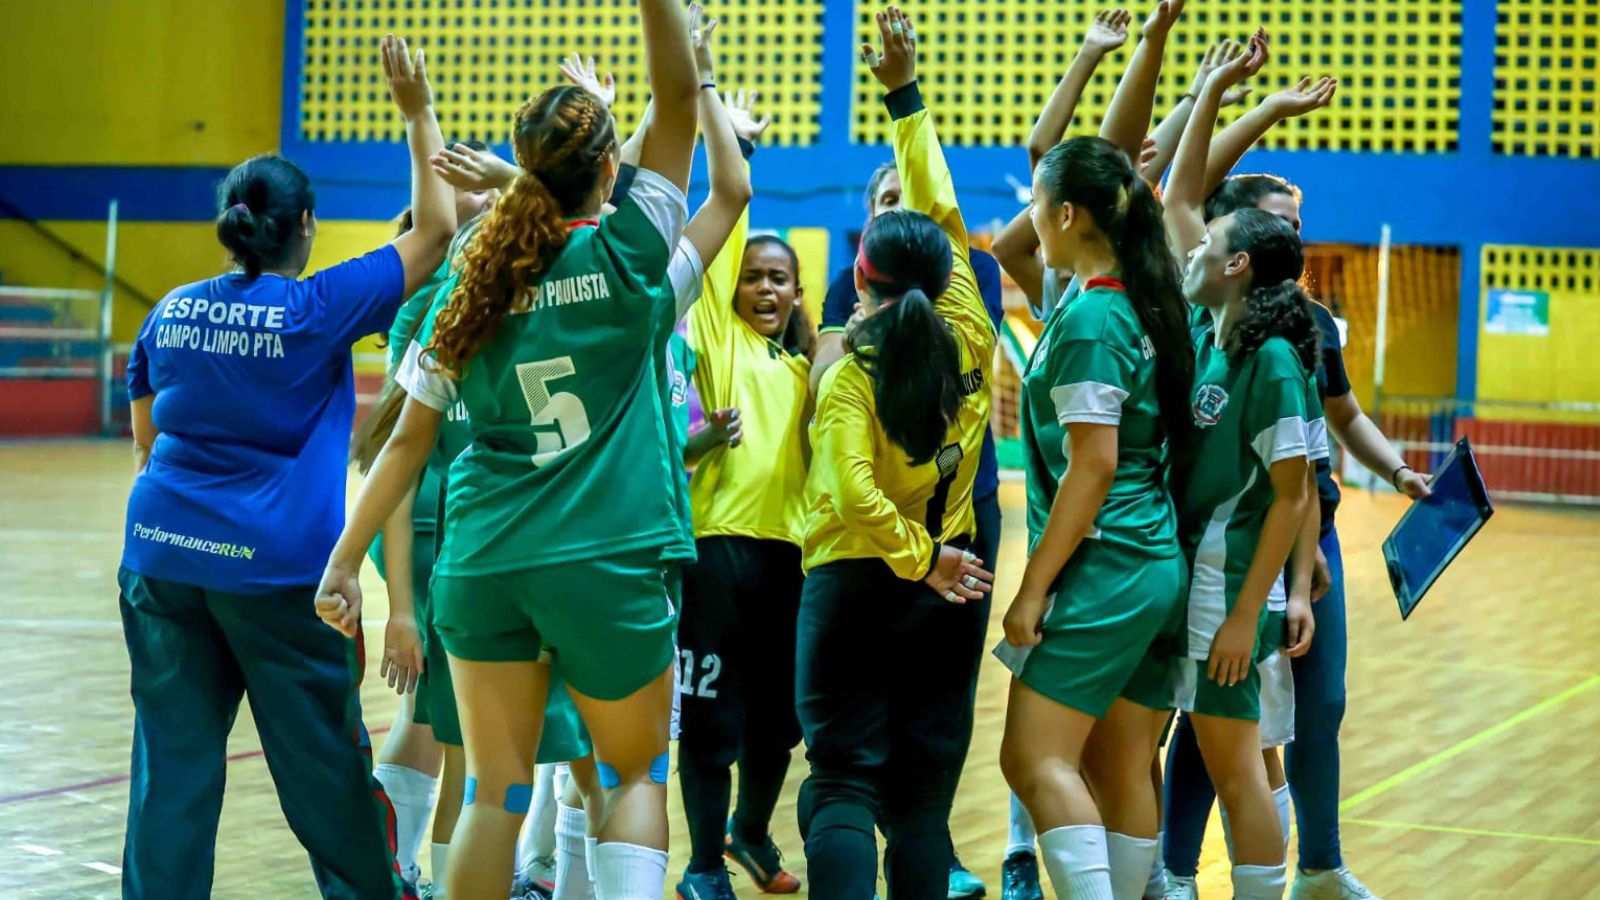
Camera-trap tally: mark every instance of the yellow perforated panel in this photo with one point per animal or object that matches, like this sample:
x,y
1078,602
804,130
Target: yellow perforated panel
x,y
487,57
1557,365
1547,78
1555,269
988,66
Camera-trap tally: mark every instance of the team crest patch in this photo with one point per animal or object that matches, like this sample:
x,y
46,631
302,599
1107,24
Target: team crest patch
x,y
1209,402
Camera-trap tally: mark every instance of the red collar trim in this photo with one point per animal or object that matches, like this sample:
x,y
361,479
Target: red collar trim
x,y
1105,281
575,224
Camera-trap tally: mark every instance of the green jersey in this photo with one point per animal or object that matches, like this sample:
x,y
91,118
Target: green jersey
x,y
1250,413
569,458
686,274
1095,364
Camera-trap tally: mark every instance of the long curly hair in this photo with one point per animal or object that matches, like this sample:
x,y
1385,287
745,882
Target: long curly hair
x,y
561,139
1277,306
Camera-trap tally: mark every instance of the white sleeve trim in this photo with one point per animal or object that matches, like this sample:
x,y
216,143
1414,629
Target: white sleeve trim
x,y
1317,439
662,203
425,384
687,275
1286,439
1088,402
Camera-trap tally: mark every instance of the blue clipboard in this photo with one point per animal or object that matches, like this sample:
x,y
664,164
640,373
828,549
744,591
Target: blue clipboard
x,y
1435,530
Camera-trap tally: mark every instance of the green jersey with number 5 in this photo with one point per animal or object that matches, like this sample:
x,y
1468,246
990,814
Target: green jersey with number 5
x,y
569,458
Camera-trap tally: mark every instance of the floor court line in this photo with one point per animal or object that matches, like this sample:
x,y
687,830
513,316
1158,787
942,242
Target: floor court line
x,y
121,778
1460,747
1474,832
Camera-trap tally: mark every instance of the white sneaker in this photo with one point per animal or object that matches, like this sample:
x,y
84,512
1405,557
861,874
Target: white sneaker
x,y
1330,884
1180,887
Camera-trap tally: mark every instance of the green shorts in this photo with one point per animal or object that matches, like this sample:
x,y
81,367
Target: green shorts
x,y
1112,631
1202,696
607,623
564,738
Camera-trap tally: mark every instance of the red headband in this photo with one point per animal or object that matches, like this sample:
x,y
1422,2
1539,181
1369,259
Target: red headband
x,y
872,275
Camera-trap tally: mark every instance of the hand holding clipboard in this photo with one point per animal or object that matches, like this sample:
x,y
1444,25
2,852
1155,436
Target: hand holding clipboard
x,y
1436,528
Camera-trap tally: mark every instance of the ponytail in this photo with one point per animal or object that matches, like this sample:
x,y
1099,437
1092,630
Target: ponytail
x,y
915,367
1276,310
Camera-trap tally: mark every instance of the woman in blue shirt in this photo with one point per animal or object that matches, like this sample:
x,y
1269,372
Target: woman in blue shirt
x,y
243,400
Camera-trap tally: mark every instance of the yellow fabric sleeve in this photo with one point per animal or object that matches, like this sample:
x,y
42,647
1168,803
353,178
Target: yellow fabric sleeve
x,y
842,435
712,321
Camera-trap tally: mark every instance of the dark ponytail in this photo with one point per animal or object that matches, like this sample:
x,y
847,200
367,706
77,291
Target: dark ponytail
x,y
1096,176
1277,306
905,347
916,373
262,203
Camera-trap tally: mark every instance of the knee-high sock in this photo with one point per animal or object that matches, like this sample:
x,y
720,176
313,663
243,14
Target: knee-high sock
x,y
538,837
1021,834
1259,882
413,794
1280,799
572,862
440,857
629,872
1130,859
1156,884
1075,857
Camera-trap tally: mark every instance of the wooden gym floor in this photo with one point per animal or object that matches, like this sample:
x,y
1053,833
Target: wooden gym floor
x,y
1470,749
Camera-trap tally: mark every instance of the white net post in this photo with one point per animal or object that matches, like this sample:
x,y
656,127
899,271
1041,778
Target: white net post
x,y
107,367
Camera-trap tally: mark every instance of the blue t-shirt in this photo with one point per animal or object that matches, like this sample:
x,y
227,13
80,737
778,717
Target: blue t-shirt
x,y
254,401
840,303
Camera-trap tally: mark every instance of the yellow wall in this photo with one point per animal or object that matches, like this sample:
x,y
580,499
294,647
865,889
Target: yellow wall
x,y
1560,366
139,82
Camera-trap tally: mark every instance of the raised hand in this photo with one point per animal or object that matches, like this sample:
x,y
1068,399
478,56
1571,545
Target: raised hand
x,y
1241,64
1162,18
466,169
701,28
1148,152
741,112
1108,31
1215,54
407,76
1306,96
896,66
583,75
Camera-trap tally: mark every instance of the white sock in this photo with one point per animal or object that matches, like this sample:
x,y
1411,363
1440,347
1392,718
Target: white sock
x,y
1156,886
1259,882
1227,829
1281,798
589,843
1130,859
1022,834
1075,856
538,837
630,872
440,855
412,793
572,863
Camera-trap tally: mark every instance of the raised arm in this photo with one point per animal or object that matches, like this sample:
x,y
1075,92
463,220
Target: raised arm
x,y
1016,248
433,204
1231,145
1108,32
1168,133
669,140
1128,117
1185,198
726,131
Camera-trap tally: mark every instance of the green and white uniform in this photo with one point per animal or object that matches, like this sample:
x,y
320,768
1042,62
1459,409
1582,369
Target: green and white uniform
x,y
1122,589
1250,413
558,514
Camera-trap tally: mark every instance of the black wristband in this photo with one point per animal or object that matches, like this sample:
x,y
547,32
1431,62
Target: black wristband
x,y
625,176
708,84
904,101
746,149
1394,477
933,563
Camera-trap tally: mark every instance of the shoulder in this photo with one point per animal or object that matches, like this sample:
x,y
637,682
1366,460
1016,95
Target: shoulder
x,y
1277,358
1092,315
844,380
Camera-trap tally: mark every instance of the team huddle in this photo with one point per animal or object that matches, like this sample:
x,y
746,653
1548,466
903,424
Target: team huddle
x,y
623,492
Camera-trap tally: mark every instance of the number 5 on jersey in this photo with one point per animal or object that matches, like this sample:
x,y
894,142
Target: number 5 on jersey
x,y
559,420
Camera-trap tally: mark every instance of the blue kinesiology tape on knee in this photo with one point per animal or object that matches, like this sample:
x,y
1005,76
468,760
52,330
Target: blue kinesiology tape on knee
x,y
608,775
470,792
518,798
660,768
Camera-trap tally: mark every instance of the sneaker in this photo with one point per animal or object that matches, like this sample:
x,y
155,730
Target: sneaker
x,y
1181,887
963,884
1330,884
764,864
1019,877
537,881
713,885
424,890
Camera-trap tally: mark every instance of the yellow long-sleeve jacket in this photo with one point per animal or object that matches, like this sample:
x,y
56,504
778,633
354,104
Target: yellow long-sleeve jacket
x,y
863,497
756,489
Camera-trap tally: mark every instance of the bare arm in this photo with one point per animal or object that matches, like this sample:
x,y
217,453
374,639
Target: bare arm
x,y
1016,248
1185,198
1231,145
1107,33
144,431
669,141
1358,434
1302,565
1128,117
433,203
1234,643
402,636
723,128
1170,131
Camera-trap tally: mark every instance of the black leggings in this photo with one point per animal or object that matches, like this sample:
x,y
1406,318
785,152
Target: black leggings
x,y
884,687
736,680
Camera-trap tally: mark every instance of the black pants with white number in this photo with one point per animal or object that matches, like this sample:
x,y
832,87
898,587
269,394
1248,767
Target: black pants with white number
x,y
736,641
884,681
